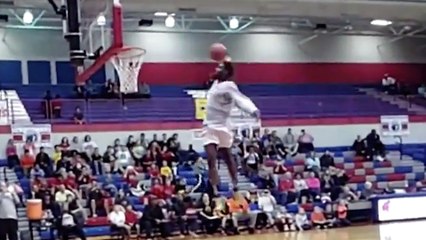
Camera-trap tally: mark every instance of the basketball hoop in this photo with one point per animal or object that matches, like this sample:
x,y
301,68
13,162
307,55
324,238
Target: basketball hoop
x,y
128,62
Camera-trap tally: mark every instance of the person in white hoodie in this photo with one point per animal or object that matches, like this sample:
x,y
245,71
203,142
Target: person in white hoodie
x,y
267,204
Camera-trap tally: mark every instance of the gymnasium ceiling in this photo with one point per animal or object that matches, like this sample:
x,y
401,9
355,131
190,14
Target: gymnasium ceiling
x,y
408,16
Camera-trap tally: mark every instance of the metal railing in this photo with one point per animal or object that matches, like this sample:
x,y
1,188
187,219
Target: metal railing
x,y
163,109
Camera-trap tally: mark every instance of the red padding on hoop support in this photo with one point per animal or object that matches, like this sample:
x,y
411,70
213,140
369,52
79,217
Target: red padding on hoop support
x,y
117,24
97,64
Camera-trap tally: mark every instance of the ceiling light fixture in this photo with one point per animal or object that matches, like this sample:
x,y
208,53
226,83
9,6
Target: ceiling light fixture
x,y
161,14
170,21
28,17
381,22
101,20
234,23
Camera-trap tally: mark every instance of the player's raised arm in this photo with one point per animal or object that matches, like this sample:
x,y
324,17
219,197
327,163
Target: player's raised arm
x,y
242,101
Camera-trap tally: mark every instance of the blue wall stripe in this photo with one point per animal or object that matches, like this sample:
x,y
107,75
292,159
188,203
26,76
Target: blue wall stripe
x,y
10,72
65,73
39,72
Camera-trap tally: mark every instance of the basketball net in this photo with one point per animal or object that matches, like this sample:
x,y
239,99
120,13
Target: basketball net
x,y
128,62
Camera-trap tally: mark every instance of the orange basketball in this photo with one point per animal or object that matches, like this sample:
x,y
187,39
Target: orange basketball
x,y
218,51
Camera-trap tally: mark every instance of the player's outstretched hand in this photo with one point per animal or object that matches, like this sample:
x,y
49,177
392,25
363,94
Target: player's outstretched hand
x,y
256,114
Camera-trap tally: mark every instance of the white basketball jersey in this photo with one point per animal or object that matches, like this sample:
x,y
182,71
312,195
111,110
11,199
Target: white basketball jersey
x,y
221,99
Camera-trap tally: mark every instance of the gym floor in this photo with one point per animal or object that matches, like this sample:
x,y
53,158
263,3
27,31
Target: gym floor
x,y
413,230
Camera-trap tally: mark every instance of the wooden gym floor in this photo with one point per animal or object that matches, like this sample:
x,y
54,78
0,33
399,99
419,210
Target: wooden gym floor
x,y
414,230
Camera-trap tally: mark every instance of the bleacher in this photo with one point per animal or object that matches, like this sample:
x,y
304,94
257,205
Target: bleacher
x,y
394,172
170,103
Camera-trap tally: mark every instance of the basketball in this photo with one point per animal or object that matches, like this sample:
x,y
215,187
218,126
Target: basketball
x,y
218,52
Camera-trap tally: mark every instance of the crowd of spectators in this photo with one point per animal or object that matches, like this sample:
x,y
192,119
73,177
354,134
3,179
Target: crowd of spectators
x,y
76,181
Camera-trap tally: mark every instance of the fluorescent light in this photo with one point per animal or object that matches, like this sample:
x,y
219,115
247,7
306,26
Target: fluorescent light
x,y
380,22
28,17
161,14
170,21
101,20
234,23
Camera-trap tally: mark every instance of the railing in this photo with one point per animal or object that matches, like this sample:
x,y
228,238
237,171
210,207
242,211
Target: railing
x,y
183,108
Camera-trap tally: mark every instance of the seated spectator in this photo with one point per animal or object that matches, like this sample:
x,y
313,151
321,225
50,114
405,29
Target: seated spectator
x,y
96,200
56,156
329,215
179,212
266,179
11,154
286,192
209,219
46,105
84,182
305,142
108,160
327,183
57,106
37,172
166,171
368,191
284,219
78,116
27,162
96,162
313,163
279,170
88,147
61,196
240,211
155,214
318,219
342,214
301,188
117,218
301,220
389,84
69,226
124,158
138,151
314,185
268,205
327,160
252,161
75,145
290,144
389,189
359,147
43,160
132,219
348,194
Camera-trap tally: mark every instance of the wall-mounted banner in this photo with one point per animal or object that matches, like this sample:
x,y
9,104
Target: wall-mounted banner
x,y
394,126
39,135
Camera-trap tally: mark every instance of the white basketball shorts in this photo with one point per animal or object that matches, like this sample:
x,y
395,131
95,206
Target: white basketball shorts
x,y
223,138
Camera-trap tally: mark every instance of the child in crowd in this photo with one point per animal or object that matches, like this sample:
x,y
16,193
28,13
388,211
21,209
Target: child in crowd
x,y
301,220
283,219
318,219
342,214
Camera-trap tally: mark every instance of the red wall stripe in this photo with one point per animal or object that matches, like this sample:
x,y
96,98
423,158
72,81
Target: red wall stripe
x,y
350,73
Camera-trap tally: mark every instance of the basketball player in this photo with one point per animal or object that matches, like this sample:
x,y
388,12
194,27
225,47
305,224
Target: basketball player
x,y
222,96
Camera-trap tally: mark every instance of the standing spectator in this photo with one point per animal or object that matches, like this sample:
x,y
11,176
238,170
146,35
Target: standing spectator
x,y
96,162
375,147
12,154
108,160
88,147
290,144
27,162
305,142
301,220
78,116
138,151
124,158
389,84
8,213
327,160
47,104
56,156
252,161
173,144
43,160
